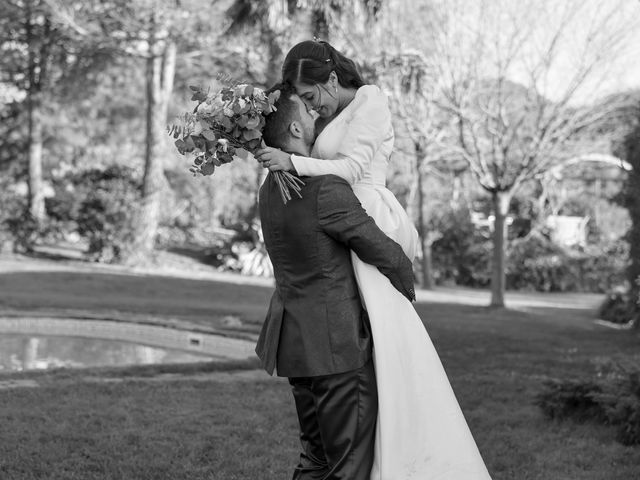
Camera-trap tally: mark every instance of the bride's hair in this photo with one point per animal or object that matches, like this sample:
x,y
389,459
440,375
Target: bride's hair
x,y
311,62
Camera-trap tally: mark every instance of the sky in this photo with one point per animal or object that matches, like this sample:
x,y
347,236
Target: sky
x,y
620,72
532,25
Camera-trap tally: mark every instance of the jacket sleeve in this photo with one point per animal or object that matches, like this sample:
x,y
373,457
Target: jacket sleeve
x,y
342,217
366,131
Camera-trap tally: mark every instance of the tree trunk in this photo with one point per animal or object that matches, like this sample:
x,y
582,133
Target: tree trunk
x,y
415,211
319,25
160,71
34,119
274,59
455,193
301,26
426,280
501,201
30,353
631,201
35,183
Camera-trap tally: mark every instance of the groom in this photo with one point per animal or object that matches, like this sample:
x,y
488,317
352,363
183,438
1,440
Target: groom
x,y
316,331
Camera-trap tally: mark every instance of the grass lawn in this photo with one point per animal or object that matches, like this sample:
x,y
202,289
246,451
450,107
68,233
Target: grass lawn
x,y
113,295
140,429
200,425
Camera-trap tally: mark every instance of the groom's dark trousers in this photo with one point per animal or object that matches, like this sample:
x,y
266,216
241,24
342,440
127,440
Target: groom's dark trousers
x,y
316,331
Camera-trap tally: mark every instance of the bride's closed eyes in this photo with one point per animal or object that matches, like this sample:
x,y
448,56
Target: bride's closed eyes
x,y
309,98
309,101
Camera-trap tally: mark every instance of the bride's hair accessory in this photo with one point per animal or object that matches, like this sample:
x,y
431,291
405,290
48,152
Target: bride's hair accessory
x,y
325,45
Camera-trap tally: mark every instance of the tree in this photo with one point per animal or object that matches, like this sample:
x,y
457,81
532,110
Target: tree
x,y
511,76
391,53
146,29
154,30
407,76
160,71
273,26
631,200
45,53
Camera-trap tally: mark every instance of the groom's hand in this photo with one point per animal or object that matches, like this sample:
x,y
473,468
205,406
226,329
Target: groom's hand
x,y
274,159
401,274
403,281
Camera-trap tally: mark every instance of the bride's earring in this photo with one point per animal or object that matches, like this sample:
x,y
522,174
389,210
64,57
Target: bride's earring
x,y
335,82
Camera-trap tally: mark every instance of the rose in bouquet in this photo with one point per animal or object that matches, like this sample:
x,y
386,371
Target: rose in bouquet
x,y
226,125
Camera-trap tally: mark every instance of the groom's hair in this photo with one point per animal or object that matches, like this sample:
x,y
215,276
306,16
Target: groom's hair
x,y
276,128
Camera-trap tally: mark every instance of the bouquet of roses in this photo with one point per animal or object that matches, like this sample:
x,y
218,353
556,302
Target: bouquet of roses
x,y
226,125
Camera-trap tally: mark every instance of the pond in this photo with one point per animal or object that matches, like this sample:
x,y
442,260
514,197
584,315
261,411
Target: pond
x,y
43,343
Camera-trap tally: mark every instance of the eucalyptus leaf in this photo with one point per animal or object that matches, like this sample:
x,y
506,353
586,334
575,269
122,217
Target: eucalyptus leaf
x,y
209,135
226,123
189,143
274,96
251,134
242,153
207,169
253,144
242,121
180,145
253,123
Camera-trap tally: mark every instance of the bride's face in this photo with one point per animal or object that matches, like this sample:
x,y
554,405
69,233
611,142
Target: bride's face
x,y
307,121
320,97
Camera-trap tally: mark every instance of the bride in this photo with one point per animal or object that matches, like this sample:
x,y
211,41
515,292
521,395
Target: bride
x,y
421,432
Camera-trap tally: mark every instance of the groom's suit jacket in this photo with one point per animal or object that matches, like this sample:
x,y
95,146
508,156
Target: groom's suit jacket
x,y
316,324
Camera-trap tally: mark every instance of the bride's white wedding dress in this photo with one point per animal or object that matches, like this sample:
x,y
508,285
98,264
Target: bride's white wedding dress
x,y
421,431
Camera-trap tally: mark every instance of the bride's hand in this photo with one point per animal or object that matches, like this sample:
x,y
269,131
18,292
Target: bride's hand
x,y
274,159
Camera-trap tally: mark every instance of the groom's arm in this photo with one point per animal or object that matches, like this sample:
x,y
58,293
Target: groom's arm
x,y
343,218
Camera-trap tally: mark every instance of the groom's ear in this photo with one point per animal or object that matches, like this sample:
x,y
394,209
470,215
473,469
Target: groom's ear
x,y
295,129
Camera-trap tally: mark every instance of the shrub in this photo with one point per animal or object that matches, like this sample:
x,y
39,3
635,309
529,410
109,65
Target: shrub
x,y
107,213
614,401
619,306
535,262
630,199
102,204
602,267
571,399
622,408
12,207
18,227
23,230
461,255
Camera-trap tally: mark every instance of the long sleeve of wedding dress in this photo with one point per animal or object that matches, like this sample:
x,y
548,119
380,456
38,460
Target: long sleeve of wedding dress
x,y
368,122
